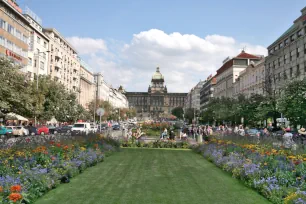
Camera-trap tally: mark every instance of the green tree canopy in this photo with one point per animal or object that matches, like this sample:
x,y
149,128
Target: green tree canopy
x,y
178,112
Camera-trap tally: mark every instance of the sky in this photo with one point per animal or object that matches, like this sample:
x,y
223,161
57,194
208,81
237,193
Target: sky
x,y
188,40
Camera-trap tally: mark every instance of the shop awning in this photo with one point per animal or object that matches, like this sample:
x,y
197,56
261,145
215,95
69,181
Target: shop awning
x,y
14,116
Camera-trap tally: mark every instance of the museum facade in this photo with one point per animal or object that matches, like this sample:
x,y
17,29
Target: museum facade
x,y
157,101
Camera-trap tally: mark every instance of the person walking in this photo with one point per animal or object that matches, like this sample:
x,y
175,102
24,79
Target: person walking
x,y
287,139
302,137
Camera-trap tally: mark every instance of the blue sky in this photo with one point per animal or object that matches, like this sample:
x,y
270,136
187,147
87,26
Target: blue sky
x,y
257,23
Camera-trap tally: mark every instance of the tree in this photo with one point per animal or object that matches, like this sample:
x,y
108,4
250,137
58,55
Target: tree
x,y
15,90
189,114
178,112
293,102
94,105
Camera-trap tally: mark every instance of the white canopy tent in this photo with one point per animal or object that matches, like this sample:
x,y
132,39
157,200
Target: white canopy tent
x,y
14,116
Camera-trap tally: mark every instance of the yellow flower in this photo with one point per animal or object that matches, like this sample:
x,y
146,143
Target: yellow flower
x,y
265,164
298,178
83,148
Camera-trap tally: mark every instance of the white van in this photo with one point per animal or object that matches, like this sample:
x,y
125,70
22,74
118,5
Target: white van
x,y
81,128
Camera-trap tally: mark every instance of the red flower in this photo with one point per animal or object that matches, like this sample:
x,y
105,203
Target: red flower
x,y
58,144
1,189
15,197
16,188
66,147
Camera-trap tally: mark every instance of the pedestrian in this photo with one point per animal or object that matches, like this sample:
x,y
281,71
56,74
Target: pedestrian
x,y
302,136
287,139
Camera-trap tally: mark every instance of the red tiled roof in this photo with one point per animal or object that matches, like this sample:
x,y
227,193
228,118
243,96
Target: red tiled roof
x,y
246,56
225,66
228,64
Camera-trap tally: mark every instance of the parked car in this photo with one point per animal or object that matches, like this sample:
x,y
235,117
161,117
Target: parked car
x,y
32,130
51,129
9,130
20,131
42,130
93,127
3,130
79,128
63,129
116,127
104,126
252,133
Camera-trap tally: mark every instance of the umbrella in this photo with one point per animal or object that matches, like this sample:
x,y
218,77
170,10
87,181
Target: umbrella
x,y
14,116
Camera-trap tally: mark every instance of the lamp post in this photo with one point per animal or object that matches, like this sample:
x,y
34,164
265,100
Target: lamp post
x,y
37,74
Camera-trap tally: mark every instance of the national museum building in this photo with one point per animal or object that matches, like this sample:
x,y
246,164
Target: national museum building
x,y
157,100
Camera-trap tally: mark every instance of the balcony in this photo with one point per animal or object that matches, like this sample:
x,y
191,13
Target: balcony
x,y
58,55
58,75
58,64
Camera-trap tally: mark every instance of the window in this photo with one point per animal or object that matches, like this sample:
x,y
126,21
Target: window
x,y
285,58
45,44
281,45
305,67
279,76
291,54
299,33
24,38
9,45
10,29
30,61
292,38
2,41
297,52
18,34
287,41
305,48
279,59
2,24
44,55
276,48
38,40
35,64
291,72
297,70
51,48
42,65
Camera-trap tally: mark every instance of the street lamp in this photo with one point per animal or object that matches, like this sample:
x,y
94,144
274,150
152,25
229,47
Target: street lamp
x,y
37,74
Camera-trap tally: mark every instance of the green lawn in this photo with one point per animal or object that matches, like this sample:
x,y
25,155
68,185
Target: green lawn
x,y
147,176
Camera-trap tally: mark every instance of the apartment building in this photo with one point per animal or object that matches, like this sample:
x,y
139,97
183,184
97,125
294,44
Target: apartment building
x,y
38,57
64,64
87,85
106,92
228,73
286,58
207,92
251,80
193,97
14,33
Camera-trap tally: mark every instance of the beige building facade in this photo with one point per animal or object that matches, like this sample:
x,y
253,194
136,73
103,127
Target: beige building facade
x,y
87,85
228,73
286,58
251,80
64,64
38,57
14,33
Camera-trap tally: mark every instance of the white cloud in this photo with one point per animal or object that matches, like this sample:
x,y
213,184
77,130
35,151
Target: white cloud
x,y
183,59
87,45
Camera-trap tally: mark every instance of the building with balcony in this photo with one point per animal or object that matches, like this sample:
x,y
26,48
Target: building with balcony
x,y
87,85
38,57
193,97
228,73
14,33
286,58
207,92
106,92
64,64
251,80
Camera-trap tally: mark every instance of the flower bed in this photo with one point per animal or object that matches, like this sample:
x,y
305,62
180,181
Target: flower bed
x,y
157,144
275,173
28,173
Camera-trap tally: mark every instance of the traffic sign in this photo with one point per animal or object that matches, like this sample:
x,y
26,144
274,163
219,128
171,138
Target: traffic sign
x,y
100,112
